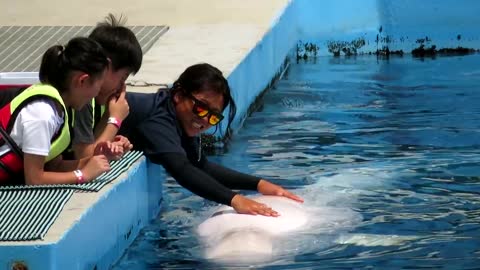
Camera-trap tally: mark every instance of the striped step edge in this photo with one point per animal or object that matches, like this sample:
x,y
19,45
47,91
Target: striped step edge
x,y
28,214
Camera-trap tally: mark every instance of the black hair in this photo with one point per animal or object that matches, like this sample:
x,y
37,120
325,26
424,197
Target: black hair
x,y
119,42
200,77
80,54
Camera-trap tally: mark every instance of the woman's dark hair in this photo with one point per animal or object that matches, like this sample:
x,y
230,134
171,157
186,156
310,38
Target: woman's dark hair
x,y
80,54
201,77
119,42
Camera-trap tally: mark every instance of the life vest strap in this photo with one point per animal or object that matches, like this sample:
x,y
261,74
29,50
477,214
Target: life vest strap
x,y
11,143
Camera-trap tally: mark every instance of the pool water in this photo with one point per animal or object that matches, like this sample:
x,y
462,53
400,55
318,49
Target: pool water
x,y
394,141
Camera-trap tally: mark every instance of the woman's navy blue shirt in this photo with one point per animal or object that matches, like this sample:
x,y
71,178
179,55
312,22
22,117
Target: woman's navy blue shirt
x,y
152,127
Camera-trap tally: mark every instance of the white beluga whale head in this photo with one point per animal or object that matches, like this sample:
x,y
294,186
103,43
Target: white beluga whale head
x,y
230,236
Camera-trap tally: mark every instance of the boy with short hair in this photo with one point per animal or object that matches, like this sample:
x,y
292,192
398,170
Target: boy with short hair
x,y
100,120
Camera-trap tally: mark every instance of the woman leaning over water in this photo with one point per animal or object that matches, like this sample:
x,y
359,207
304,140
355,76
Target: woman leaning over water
x,y
167,125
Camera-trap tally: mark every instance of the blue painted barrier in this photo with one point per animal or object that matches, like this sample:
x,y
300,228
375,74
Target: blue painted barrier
x,y
398,25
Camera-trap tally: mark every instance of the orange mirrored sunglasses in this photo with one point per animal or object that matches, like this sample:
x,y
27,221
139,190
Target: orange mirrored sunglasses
x,y
202,110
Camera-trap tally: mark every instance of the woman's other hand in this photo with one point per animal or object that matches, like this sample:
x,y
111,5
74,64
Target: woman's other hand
x,y
267,188
244,205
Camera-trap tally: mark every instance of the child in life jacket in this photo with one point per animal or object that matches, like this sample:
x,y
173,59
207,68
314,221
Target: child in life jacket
x,y
34,125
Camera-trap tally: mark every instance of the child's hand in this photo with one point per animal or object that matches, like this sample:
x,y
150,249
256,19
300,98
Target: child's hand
x,y
111,150
95,166
118,106
124,142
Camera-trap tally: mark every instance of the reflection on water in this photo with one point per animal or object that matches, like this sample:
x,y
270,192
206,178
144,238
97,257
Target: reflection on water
x,y
395,141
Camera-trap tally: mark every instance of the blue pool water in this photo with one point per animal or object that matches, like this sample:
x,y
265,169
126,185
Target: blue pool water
x,y
395,141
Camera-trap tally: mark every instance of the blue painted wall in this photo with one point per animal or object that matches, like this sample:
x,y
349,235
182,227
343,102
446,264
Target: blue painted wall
x,y
441,21
447,23
336,16
321,22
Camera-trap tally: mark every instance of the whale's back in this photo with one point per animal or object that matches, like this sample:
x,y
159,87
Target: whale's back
x,y
229,235
225,219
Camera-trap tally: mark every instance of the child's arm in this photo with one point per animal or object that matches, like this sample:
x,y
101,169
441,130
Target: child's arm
x,y
106,130
64,174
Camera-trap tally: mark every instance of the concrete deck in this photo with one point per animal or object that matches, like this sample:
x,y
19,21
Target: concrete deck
x,y
215,31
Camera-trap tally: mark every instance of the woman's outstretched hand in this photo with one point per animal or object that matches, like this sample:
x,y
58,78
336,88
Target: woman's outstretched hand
x,y
244,205
267,188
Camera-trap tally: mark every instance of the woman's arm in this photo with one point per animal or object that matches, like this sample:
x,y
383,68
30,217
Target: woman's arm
x,y
193,178
230,178
238,180
201,183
